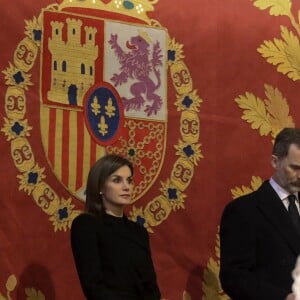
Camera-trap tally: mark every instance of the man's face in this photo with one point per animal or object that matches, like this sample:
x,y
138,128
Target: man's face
x,y
287,170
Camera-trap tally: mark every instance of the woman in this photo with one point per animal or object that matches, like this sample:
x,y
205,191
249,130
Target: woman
x,y
111,253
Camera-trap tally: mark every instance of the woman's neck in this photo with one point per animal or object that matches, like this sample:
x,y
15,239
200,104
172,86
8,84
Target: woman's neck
x,y
115,212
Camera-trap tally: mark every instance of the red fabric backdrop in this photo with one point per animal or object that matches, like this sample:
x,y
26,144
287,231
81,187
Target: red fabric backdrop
x,y
220,42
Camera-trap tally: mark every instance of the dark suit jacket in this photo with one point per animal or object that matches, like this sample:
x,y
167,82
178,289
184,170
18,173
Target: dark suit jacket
x,y
113,259
259,247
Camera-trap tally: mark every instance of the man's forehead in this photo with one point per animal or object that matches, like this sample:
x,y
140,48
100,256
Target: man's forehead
x,y
294,148
294,153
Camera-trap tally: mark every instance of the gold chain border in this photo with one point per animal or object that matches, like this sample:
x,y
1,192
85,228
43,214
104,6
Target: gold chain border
x,y
156,132
32,179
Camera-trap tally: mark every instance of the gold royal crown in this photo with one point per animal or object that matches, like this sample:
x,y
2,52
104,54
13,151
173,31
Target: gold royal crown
x,y
133,8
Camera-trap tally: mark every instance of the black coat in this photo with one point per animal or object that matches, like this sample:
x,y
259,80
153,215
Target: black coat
x,y
113,259
258,247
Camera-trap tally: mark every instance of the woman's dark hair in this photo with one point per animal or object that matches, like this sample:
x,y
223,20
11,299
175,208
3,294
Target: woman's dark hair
x,y
284,139
97,177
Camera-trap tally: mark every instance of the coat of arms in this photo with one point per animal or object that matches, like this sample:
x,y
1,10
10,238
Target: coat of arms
x,y
103,90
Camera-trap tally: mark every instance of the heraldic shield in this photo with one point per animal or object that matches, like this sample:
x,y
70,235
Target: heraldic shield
x,y
103,90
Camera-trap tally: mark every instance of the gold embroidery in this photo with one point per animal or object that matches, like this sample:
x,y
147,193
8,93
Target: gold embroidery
x,y
269,116
32,177
31,293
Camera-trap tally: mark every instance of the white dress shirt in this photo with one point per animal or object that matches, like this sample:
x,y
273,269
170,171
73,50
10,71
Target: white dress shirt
x,y
283,194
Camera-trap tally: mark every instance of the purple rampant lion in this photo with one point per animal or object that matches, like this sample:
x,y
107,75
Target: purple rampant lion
x,y
136,65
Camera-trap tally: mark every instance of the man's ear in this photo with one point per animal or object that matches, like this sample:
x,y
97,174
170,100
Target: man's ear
x,y
274,161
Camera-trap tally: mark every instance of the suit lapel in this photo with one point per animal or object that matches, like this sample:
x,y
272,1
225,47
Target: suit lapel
x,y
273,209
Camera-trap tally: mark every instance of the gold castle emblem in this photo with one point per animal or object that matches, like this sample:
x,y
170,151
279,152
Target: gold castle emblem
x,y
69,72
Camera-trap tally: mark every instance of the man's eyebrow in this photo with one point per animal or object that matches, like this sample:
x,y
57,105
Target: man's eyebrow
x,y
295,165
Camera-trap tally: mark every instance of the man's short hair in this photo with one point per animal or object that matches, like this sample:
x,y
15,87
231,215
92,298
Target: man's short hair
x,y
284,139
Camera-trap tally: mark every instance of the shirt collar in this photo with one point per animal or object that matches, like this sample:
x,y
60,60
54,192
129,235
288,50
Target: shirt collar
x,y
281,192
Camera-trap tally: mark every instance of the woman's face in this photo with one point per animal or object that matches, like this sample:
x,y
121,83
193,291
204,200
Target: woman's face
x,y
117,189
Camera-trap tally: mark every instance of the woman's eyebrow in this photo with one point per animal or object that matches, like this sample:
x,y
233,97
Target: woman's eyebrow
x,y
119,176
115,175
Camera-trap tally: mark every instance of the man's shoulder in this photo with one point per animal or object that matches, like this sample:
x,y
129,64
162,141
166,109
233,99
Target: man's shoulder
x,y
253,197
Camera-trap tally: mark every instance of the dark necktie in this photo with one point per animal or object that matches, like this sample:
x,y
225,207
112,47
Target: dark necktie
x,y
293,211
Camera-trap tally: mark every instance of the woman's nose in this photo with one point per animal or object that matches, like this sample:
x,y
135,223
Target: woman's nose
x,y
125,184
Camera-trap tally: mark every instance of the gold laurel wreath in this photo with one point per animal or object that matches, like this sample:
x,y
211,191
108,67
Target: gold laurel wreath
x,y
268,116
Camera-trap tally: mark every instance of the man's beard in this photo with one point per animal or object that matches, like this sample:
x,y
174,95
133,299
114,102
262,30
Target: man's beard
x,y
295,187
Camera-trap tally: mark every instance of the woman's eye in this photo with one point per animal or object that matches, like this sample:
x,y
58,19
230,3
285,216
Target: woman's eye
x,y
119,180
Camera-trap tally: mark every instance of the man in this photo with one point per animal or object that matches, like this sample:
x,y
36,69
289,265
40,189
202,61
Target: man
x,y
260,242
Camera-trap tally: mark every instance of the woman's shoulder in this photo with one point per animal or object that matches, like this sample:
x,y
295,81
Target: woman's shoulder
x,y
85,220
84,217
138,227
